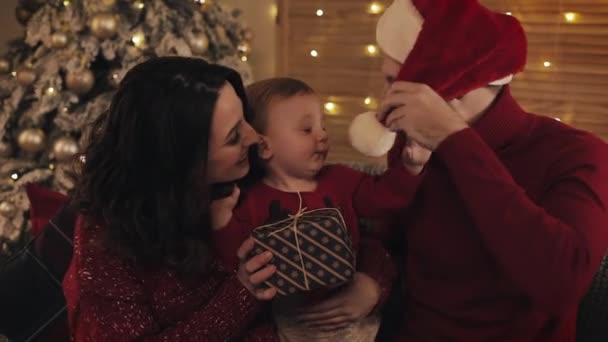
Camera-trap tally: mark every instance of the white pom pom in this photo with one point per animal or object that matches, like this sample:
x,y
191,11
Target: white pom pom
x,y
369,136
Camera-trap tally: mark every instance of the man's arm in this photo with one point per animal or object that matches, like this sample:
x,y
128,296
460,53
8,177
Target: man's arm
x,y
551,249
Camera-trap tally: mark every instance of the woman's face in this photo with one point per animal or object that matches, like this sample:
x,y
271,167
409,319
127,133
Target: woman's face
x,y
230,139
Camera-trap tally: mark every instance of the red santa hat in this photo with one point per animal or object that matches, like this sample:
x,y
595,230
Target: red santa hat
x,y
454,46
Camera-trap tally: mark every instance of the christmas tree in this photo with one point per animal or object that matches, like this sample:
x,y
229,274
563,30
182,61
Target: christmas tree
x,y
57,79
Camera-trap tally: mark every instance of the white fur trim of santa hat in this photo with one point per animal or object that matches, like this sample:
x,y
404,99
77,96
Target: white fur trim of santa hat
x,y
398,29
369,136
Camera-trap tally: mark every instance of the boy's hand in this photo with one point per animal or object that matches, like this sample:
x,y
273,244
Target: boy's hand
x,y
354,302
221,210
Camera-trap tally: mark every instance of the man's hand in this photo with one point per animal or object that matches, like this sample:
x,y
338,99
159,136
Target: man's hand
x,y
354,302
421,113
221,210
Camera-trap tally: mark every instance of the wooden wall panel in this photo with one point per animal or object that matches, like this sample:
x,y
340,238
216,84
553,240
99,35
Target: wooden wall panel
x,y
574,88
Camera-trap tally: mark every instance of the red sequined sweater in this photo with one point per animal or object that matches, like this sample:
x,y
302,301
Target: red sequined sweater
x,y
507,228
111,299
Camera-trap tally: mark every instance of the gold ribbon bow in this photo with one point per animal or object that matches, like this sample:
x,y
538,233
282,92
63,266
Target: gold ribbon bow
x,y
294,228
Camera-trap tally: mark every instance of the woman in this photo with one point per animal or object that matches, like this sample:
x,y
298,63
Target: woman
x,y
143,267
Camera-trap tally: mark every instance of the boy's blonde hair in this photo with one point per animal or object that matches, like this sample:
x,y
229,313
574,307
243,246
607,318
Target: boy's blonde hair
x,y
260,96
262,93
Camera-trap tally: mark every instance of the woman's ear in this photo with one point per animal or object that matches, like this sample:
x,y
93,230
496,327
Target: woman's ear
x,y
264,148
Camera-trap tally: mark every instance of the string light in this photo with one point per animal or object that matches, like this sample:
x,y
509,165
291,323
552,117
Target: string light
x,y
370,102
67,3
244,58
51,166
547,64
331,108
372,50
15,176
50,91
375,8
570,16
320,12
14,74
314,53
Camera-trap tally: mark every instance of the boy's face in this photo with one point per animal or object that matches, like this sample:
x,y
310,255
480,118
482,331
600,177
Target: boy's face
x,y
295,141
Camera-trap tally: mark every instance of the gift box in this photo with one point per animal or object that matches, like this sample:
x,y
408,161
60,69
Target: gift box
x,y
312,250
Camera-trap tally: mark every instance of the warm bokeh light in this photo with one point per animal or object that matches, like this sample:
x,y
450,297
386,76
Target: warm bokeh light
x,y
570,16
331,108
371,50
375,8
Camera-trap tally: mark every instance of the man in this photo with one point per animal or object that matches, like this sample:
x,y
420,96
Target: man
x,y
509,222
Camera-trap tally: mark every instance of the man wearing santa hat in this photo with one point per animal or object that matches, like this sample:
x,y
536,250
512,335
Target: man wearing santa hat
x,y
510,219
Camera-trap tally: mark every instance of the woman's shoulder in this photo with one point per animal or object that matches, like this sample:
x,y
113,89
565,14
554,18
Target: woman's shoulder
x,y
105,272
99,269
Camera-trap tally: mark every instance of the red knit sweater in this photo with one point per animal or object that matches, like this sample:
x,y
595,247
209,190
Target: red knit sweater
x,y
506,230
112,299
354,193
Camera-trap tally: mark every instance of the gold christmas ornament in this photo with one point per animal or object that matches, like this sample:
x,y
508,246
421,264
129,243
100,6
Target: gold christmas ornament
x,y
31,139
64,148
7,209
104,25
5,65
244,48
59,40
199,43
6,149
133,51
139,40
23,15
222,36
80,82
51,91
204,4
138,5
108,3
26,76
248,34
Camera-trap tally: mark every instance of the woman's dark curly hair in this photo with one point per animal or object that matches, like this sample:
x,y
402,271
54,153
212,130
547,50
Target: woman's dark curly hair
x,y
144,175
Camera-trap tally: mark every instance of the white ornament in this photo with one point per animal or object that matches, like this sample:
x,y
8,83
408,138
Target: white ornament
x,y
369,136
